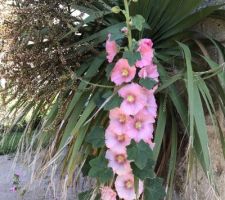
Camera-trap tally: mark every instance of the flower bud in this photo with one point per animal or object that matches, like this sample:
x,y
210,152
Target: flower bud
x,y
124,30
116,9
130,23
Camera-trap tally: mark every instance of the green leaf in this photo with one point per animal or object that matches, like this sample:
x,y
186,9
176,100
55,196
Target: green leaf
x,y
215,65
101,36
74,154
173,158
148,83
146,172
187,22
86,167
99,99
212,111
153,189
190,86
160,128
96,137
100,170
132,57
201,136
87,195
139,153
114,102
107,94
168,82
109,69
138,22
74,110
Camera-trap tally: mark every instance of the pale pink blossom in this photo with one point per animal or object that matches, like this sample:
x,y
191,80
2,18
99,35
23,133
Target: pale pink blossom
x,y
135,98
116,140
151,106
13,189
111,49
148,111
147,53
107,193
155,88
141,127
118,161
17,174
122,72
149,71
125,187
119,119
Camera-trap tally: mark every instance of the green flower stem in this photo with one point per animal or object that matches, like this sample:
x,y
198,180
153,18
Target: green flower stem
x,y
94,84
127,15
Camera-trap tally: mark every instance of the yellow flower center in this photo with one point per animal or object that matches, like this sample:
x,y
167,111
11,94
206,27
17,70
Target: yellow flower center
x,y
130,98
122,119
121,138
125,72
129,184
138,125
120,158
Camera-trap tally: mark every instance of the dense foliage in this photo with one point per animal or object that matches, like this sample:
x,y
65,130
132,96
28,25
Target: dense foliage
x,y
55,66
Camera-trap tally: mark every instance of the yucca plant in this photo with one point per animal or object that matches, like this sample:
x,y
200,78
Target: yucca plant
x,y
68,122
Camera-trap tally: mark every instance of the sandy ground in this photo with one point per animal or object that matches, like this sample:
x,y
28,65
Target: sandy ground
x,y
40,190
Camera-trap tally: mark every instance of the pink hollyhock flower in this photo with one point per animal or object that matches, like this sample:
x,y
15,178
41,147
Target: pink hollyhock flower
x,y
125,187
111,49
151,103
149,71
147,53
118,161
13,189
155,88
107,193
141,127
119,119
17,174
122,72
116,140
135,98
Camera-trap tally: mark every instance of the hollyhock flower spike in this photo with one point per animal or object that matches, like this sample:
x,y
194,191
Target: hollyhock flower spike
x,y
107,193
141,127
125,187
147,53
149,71
111,49
116,140
118,161
135,98
135,116
122,72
